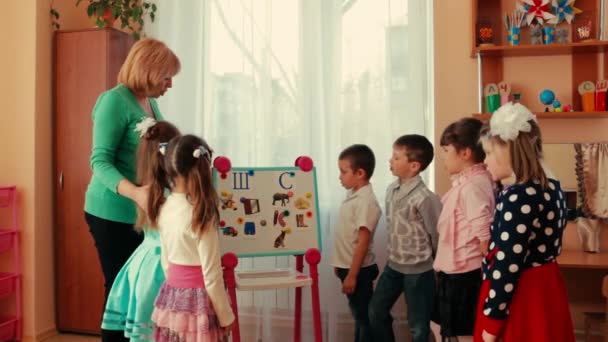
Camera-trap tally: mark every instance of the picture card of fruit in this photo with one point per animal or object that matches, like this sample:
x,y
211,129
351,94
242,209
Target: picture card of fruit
x,y
268,211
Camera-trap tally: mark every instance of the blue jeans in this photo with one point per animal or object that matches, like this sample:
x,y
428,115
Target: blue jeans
x,y
419,292
358,301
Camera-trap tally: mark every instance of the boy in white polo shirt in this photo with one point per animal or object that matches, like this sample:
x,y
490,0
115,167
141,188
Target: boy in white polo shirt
x,y
353,260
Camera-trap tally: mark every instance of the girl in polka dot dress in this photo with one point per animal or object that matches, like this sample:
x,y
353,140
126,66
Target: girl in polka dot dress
x,y
523,295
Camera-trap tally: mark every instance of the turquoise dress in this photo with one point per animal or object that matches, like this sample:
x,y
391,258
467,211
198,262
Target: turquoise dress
x,y
131,300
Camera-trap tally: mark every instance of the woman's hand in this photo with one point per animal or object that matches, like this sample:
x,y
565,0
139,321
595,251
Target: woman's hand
x,y
140,197
138,194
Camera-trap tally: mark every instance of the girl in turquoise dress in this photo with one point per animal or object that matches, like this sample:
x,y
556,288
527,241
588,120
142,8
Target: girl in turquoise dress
x,y
131,300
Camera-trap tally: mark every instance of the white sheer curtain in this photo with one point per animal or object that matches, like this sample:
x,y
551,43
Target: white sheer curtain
x,y
265,81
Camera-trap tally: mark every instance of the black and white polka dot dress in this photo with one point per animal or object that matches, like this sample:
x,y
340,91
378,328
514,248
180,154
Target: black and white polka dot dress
x,y
523,285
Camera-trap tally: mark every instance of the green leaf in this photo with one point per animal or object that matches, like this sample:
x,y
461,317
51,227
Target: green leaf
x,y
152,16
153,7
100,11
90,10
146,5
136,12
99,22
136,36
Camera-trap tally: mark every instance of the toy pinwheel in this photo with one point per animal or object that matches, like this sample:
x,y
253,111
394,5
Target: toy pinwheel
x,y
563,10
535,9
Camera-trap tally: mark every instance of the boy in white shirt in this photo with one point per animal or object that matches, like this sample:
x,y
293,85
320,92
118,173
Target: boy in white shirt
x,y
352,258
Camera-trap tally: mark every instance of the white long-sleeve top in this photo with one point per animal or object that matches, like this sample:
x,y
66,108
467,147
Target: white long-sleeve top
x,y
181,246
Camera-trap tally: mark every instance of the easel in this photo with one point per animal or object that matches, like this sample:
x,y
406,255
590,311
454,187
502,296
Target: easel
x,y
255,280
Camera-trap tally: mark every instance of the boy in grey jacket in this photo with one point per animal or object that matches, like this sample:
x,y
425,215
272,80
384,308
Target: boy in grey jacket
x,y
412,211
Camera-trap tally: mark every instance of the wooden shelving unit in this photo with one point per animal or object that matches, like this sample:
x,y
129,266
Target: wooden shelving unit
x,y
593,46
580,259
585,64
554,115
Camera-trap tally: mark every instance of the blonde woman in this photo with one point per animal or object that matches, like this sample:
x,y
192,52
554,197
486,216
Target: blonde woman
x,y
118,119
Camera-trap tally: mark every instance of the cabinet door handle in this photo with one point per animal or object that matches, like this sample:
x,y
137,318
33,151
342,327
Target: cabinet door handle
x,y
61,180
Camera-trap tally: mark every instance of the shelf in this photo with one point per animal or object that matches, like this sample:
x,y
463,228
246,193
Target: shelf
x,y
554,115
541,50
271,279
580,259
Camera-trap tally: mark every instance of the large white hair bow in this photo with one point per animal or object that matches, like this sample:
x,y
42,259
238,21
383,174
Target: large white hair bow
x,y
509,120
144,125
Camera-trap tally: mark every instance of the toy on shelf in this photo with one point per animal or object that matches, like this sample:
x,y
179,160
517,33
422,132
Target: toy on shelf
x,y
582,29
492,97
485,32
504,89
513,24
562,35
557,106
564,10
600,95
535,10
536,34
516,97
547,97
587,92
548,34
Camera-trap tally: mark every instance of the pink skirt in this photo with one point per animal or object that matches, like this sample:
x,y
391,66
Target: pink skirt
x,y
182,310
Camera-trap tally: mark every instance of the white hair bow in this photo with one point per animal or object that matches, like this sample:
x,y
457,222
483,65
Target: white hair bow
x,y
509,120
144,125
201,151
162,148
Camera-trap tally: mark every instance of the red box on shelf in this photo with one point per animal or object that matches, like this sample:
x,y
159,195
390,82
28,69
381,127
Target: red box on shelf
x,y
8,283
7,238
8,207
8,328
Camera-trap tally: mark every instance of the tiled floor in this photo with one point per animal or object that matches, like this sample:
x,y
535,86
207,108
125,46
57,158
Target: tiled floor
x,y
73,338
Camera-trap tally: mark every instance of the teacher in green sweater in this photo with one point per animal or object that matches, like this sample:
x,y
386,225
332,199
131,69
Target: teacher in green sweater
x,y
118,117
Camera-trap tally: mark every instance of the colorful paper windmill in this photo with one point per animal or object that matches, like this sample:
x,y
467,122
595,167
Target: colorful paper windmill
x,y
535,9
563,10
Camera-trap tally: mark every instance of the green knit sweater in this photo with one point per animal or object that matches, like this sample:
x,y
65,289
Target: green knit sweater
x,y
113,158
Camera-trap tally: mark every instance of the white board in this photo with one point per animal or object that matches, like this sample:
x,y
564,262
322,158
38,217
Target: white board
x,y
268,211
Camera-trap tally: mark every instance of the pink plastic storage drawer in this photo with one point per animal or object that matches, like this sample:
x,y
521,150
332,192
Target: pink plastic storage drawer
x,y
6,239
8,328
8,207
8,284
6,194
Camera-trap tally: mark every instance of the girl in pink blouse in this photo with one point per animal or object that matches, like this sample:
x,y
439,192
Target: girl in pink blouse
x,y
464,229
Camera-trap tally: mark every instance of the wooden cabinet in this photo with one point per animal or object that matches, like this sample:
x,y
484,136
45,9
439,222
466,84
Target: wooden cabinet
x,y
86,64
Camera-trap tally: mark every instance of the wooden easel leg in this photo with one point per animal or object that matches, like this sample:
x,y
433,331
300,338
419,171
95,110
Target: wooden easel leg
x,y
297,334
313,257
229,263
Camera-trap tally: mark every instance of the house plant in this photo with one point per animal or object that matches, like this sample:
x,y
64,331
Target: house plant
x,y
131,13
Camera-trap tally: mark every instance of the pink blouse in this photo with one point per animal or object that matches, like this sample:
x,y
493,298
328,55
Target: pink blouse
x,y
465,219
